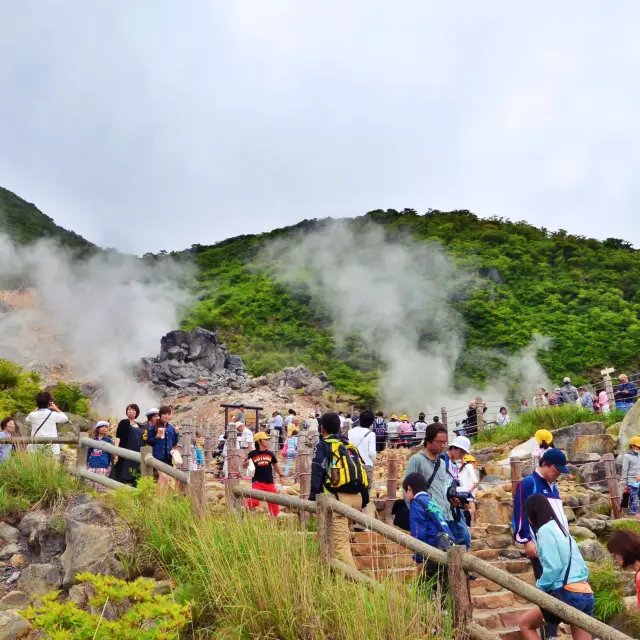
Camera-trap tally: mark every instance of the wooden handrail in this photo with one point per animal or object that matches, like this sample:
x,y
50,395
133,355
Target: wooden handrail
x,y
468,561
127,454
103,480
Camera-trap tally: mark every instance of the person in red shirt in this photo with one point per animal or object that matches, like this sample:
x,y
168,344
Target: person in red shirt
x,y
625,547
265,462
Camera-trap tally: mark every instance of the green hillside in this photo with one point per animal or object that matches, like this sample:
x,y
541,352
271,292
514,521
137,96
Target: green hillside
x,y
582,293
25,223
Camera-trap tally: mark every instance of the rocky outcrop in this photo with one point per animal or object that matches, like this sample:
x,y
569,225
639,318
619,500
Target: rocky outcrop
x,y
296,378
580,440
630,427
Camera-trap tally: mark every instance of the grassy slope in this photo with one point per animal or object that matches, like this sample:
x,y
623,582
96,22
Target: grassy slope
x,y
25,223
583,293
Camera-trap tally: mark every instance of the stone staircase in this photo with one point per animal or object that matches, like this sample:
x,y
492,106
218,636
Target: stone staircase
x,y
494,608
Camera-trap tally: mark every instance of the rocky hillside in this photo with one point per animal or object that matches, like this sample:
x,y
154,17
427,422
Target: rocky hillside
x,y
23,222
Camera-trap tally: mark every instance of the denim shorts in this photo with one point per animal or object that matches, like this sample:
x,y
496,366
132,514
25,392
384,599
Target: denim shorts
x,y
582,601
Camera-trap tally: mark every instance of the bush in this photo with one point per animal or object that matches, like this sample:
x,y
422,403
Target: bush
x,y
17,388
9,374
70,398
30,479
138,613
252,578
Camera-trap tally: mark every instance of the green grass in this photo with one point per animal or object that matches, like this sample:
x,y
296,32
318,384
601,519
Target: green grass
x,y
608,595
525,425
627,524
30,479
249,577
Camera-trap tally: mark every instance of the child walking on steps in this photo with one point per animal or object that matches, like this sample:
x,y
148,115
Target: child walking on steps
x,y
564,573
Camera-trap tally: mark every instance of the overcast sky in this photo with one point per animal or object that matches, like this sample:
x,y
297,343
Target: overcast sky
x,y
156,124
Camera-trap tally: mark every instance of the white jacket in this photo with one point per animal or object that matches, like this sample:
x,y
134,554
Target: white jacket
x,y
365,440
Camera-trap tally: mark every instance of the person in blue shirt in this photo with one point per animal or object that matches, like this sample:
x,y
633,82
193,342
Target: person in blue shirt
x,y
543,482
564,573
427,523
99,461
162,436
625,393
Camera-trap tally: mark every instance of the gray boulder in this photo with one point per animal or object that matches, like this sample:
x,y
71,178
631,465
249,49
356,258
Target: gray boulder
x,y
579,440
8,533
89,548
630,427
592,551
50,538
30,522
15,600
8,551
13,625
38,579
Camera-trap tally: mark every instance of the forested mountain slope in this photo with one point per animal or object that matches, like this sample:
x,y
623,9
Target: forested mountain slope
x,y
25,223
582,293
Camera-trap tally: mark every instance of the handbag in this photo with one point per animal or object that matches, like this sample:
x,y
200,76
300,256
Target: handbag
x,y
285,449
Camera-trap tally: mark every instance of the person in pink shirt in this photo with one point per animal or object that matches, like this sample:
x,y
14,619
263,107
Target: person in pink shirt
x,y
603,400
406,430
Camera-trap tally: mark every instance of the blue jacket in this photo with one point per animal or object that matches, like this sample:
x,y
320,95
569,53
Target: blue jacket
x,y
427,520
553,552
98,459
625,397
162,446
534,483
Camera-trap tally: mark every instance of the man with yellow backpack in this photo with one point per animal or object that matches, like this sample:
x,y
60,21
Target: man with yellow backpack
x,y
339,469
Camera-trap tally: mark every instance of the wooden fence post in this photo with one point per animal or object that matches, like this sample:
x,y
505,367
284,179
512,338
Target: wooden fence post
x,y
609,462
208,445
516,473
459,588
145,470
479,414
81,459
233,467
608,387
197,492
304,475
302,438
392,484
444,419
538,402
325,527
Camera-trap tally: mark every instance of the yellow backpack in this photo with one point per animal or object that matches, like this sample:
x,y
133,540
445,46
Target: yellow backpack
x,y
346,469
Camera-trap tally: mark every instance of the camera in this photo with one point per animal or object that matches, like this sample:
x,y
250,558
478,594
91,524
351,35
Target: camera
x,y
464,496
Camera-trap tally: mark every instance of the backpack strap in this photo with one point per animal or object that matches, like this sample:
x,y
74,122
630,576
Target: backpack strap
x,y
435,470
42,424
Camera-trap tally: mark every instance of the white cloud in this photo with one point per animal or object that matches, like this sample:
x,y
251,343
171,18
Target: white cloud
x,y
157,124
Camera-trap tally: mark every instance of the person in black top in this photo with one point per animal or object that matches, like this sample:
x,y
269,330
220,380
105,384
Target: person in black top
x,y
264,462
400,513
128,436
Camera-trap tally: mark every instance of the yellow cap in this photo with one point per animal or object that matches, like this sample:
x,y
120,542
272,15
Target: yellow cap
x,y
394,416
544,436
469,458
404,417
635,441
261,435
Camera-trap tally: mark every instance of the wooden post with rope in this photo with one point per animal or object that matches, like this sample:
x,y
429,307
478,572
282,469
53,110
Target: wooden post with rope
x,y
538,401
325,527
208,445
460,594
479,414
392,484
233,467
608,387
304,473
444,419
82,453
609,462
145,470
516,473
197,493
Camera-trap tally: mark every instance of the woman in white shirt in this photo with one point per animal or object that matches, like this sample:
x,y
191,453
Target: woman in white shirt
x,y
44,421
502,419
468,481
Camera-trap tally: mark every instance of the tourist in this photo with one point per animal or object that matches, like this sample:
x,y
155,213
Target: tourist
x,y
406,431
7,430
348,422
153,415
294,426
420,427
393,431
435,418
354,494
544,439
603,399
44,422
342,419
400,514
631,473
625,393
199,450
503,418
245,440
568,394
129,436
468,479
365,441
240,415
428,524
565,575
542,481
524,406
429,462
312,425
471,426
290,449
460,447
285,427
586,399
162,436
264,462
625,547
99,461
554,398
380,429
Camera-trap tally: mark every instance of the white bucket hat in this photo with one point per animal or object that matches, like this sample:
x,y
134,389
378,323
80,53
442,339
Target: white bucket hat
x,y
462,442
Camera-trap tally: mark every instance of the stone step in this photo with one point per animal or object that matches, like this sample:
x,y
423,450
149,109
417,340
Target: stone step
x,y
497,600
509,634
402,574
384,562
501,619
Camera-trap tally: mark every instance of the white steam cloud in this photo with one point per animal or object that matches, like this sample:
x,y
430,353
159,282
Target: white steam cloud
x,y
99,316
397,295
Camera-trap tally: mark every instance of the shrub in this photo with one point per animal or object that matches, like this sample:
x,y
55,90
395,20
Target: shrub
x,y
70,398
9,374
29,479
138,613
17,388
